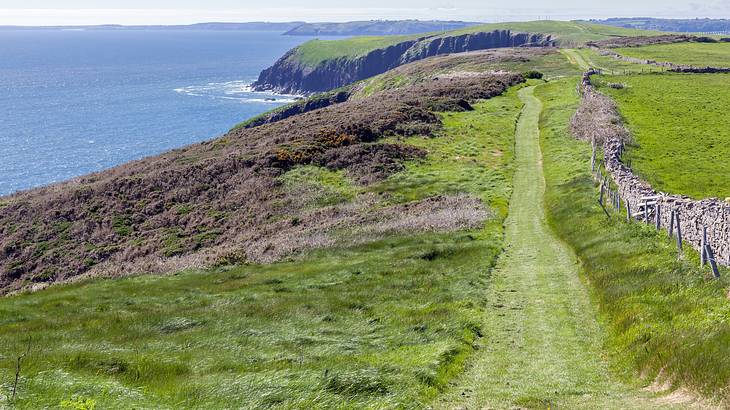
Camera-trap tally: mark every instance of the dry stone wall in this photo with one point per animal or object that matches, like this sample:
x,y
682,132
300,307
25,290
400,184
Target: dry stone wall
x,y
712,214
678,68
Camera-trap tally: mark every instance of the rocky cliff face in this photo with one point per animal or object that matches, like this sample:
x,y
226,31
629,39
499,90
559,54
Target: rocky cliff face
x,y
290,75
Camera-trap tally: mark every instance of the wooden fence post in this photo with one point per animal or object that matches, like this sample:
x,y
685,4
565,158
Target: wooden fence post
x,y
600,197
628,212
658,212
593,157
703,247
679,233
646,211
711,258
671,223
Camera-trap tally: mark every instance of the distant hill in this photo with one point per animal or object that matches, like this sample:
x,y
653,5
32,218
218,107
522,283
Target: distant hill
x,y
293,28
251,26
677,25
376,28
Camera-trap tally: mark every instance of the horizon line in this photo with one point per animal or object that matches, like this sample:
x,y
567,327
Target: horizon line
x,y
185,17
200,23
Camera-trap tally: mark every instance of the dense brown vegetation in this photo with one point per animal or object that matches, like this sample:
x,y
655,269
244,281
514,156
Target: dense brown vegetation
x,y
221,201
469,61
597,118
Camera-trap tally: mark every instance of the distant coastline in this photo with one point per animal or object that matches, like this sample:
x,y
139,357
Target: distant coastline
x,y
292,28
251,26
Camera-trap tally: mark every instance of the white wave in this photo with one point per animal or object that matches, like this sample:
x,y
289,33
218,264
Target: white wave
x,y
236,90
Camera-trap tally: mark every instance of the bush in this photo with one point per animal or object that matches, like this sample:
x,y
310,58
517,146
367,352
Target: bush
x,y
532,74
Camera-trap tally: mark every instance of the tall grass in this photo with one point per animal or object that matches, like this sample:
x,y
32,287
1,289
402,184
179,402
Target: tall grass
x,y
666,317
383,325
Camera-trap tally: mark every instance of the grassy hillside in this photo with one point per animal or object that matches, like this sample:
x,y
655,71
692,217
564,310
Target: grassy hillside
x,y
681,129
352,251
694,54
548,62
222,201
385,324
666,318
568,33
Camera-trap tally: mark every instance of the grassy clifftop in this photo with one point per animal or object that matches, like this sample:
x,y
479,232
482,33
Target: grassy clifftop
x,y
315,52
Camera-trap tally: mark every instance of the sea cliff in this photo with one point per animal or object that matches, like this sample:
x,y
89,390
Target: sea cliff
x,y
292,75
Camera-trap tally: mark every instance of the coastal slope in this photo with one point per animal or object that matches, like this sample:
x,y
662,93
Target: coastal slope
x,y
227,200
293,74
323,65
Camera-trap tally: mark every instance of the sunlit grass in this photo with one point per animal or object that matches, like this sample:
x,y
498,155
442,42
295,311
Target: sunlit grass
x,y
382,325
696,54
681,128
665,316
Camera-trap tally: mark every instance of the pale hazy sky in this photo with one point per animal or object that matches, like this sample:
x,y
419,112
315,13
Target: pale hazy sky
x,y
60,12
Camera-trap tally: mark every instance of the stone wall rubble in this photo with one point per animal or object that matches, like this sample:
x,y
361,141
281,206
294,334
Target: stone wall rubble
x,y
712,214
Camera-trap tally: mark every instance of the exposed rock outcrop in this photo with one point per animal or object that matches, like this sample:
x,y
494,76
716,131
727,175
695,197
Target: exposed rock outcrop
x,y
291,75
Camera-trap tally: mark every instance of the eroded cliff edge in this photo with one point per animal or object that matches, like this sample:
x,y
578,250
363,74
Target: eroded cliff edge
x,y
292,76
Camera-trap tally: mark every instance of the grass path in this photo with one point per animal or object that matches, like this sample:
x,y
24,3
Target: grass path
x,y
542,343
575,58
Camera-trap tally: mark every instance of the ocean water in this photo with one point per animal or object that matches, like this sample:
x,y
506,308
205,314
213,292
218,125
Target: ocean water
x,y
75,102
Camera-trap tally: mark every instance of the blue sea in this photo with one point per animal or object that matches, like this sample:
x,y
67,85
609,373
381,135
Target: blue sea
x,y
75,102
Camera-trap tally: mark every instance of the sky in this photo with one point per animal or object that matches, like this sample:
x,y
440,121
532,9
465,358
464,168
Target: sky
x,y
77,12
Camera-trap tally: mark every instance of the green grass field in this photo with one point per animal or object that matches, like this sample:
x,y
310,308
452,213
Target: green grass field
x,y
681,129
567,33
695,54
611,65
382,325
664,315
